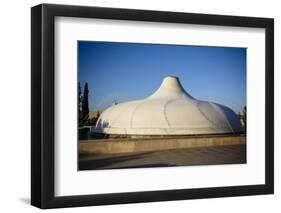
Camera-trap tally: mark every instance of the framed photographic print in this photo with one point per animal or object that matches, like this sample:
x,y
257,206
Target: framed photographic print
x,y
139,106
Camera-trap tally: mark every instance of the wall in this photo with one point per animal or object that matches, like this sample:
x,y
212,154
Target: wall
x,y
115,146
15,105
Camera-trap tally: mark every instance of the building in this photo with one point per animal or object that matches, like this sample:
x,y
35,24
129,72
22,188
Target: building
x,y
168,111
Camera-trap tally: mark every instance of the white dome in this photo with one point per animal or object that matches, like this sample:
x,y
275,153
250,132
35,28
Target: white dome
x,y
169,111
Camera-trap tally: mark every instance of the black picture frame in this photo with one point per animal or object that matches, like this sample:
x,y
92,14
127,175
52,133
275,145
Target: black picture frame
x,y
43,102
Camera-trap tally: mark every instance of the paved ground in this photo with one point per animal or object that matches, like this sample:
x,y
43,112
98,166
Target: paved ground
x,y
230,154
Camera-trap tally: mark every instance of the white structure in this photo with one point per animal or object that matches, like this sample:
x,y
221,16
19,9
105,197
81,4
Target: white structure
x,y
169,111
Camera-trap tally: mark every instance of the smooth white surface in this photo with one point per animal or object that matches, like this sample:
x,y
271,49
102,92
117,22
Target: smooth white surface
x,y
70,182
170,110
15,82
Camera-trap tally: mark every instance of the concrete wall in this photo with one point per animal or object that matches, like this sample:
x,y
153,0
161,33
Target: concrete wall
x,y
114,146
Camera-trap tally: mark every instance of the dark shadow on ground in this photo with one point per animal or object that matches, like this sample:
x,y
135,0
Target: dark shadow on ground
x,y
100,163
230,154
147,166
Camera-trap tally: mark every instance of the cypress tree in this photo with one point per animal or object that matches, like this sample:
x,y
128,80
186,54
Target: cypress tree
x,y
79,103
85,104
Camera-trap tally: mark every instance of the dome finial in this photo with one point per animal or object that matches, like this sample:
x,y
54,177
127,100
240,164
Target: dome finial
x,y
170,88
171,83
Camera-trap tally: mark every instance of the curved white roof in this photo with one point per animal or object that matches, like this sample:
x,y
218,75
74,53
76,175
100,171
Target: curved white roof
x,y
169,111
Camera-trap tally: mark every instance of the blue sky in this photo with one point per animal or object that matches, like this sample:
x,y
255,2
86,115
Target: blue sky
x,y
119,72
